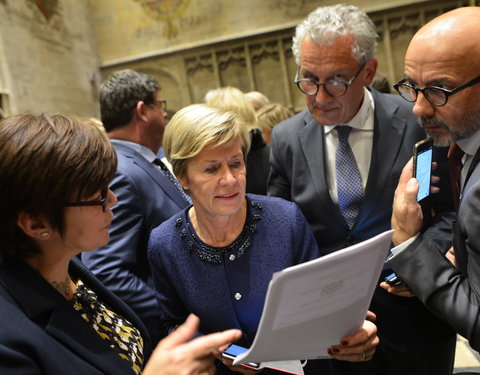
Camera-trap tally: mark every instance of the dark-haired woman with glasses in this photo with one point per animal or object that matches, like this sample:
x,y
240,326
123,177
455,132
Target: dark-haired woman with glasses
x,y
57,318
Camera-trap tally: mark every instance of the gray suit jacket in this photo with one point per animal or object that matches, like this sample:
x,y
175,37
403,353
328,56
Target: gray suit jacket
x,y
146,198
407,329
450,292
298,171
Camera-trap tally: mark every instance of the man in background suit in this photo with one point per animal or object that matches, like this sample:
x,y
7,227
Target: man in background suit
x,y
334,48
133,114
445,54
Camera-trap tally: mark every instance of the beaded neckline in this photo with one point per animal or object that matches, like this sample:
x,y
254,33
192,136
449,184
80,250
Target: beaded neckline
x,y
214,255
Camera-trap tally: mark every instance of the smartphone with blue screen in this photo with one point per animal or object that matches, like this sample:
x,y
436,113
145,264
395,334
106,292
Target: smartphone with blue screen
x,y
393,279
422,167
234,350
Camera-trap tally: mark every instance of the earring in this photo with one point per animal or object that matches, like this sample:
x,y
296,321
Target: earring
x,y
43,235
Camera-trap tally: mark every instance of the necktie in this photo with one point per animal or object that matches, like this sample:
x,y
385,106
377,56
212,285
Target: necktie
x,y
172,178
349,182
455,155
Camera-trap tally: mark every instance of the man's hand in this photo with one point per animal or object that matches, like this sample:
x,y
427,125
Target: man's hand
x,y
401,290
450,255
407,214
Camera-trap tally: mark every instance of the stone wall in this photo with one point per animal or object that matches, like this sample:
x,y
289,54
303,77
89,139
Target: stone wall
x,y
200,45
49,60
54,53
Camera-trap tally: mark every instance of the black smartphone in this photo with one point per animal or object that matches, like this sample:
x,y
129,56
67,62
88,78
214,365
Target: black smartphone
x,y
234,350
422,166
393,279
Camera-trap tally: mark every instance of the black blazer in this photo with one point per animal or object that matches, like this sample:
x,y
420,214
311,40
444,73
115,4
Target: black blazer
x,y
257,164
407,330
41,333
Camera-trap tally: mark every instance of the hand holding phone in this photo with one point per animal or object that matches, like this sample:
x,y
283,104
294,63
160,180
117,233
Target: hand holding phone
x,y
422,167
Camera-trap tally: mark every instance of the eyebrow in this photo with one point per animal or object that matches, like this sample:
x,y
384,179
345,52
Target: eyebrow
x,y
239,155
329,76
435,82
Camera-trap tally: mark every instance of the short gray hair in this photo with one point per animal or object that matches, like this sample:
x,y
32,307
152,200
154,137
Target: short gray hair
x,y
326,24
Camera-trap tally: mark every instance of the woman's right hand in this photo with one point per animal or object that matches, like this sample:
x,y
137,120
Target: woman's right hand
x,y
178,354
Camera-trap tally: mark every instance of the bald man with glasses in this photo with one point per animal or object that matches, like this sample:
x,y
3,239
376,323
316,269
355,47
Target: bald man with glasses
x,y
440,66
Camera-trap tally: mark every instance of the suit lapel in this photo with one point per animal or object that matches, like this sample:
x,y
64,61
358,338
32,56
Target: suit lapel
x,y
152,170
476,159
389,130
312,141
165,184
50,311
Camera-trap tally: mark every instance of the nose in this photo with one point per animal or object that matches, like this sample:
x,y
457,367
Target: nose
x,y
422,107
111,199
322,96
227,177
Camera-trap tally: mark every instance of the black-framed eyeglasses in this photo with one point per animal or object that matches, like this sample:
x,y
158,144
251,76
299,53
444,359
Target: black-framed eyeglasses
x,y
333,87
437,96
98,202
162,103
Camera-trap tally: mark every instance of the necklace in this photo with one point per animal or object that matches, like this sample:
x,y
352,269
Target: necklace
x,y
63,287
215,255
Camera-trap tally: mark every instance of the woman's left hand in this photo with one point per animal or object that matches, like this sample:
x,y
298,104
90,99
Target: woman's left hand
x,y
357,347
238,368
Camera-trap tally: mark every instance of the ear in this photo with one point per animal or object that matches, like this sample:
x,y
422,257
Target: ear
x,y
183,180
140,111
33,226
370,70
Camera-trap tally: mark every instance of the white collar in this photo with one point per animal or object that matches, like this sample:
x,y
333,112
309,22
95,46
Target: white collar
x,y
361,120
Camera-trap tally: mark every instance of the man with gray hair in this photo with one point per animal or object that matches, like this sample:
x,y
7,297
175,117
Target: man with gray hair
x,y
133,114
340,161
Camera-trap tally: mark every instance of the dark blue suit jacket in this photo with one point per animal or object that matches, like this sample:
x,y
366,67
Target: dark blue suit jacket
x,y
407,330
146,198
41,333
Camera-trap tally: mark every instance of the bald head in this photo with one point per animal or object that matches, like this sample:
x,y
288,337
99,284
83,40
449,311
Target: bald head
x,y
457,31
444,55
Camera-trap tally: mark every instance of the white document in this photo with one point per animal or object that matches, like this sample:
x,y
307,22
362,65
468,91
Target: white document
x,y
311,306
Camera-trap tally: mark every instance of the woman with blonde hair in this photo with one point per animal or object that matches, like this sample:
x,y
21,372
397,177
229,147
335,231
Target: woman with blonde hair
x,y
217,257
258,167
269,116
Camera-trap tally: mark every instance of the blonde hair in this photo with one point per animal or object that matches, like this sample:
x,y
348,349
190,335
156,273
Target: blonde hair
x,y
193,128
271,114
232,99
257,100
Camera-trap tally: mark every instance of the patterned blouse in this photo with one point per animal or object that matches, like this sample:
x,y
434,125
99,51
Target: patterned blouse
x,y
122,336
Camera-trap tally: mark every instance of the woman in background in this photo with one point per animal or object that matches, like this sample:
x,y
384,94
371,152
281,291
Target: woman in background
x,y
269,116
57,318
217,257
258,167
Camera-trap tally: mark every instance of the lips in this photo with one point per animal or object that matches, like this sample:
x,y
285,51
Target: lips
x,y
226,196
325,109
